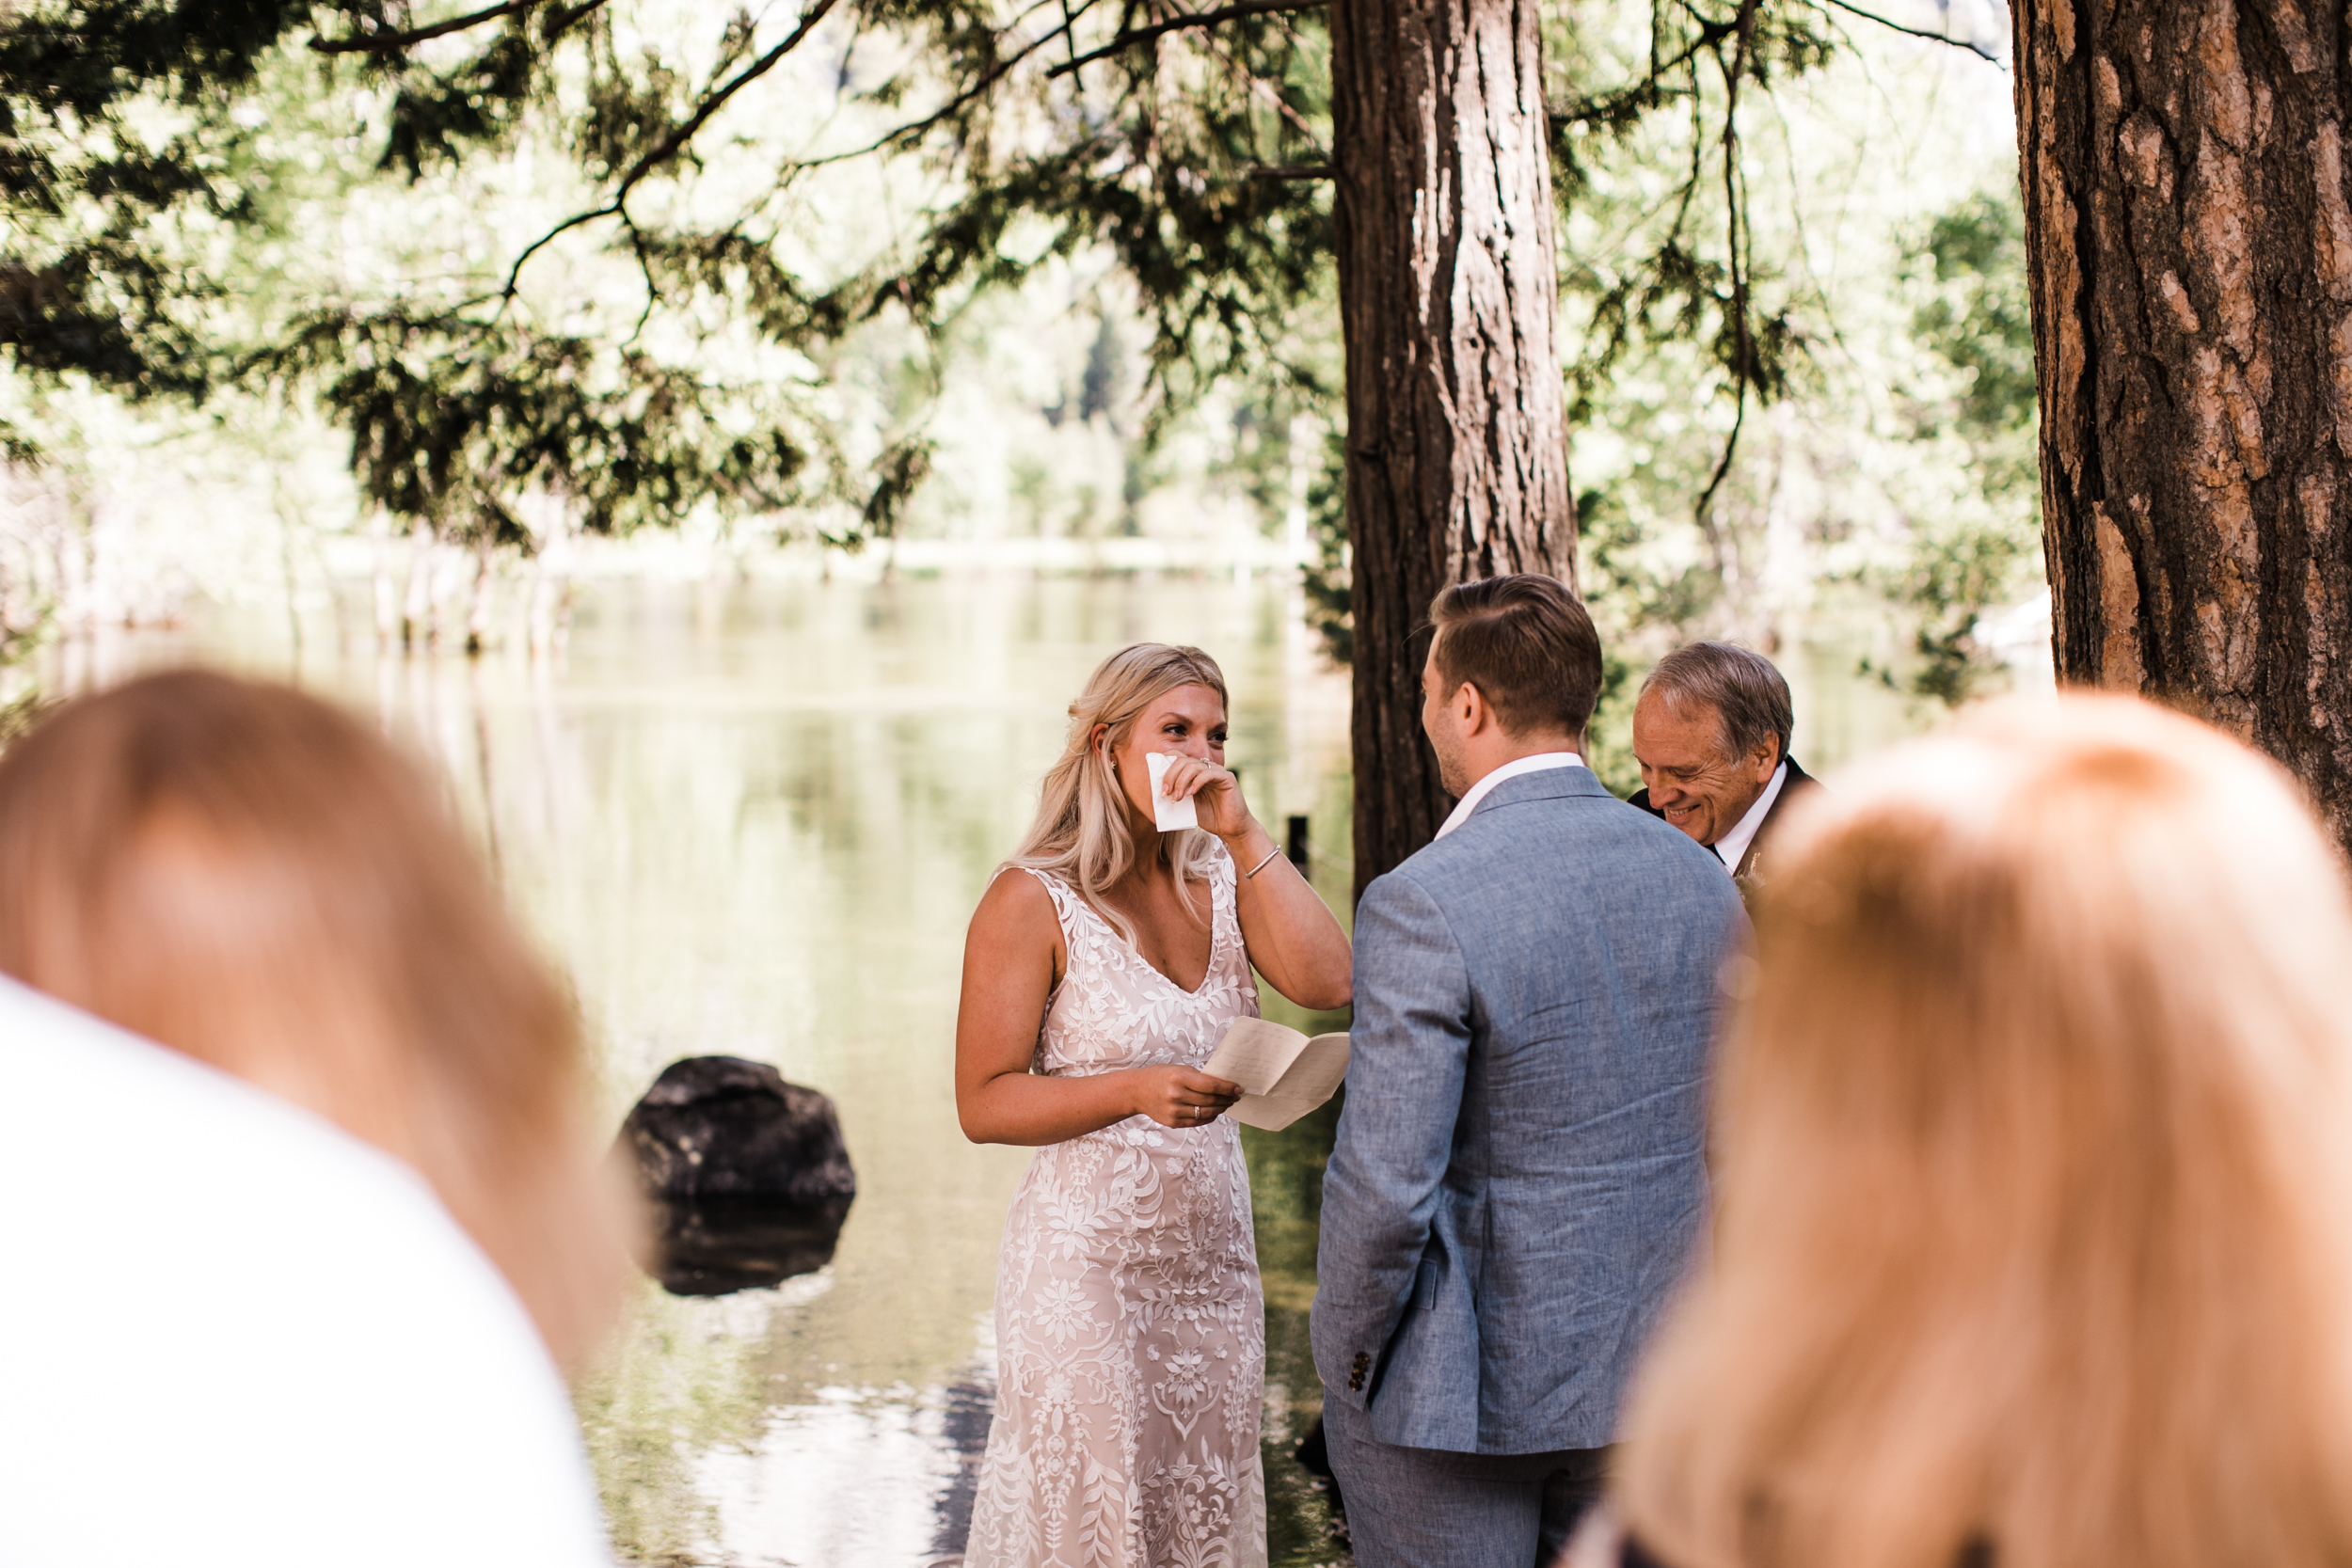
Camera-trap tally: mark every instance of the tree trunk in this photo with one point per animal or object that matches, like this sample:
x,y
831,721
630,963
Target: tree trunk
x,y
387,596
1457,450
551,582
2190,252
417,620
478,602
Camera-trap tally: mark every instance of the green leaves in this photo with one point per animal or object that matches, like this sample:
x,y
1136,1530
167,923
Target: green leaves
x,y
1979,322
113,123
440,117
73,65
1167,142
1684,269
450,421
654,344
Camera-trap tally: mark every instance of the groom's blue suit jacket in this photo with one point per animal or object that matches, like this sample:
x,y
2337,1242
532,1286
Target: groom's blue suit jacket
x,y
1520,1180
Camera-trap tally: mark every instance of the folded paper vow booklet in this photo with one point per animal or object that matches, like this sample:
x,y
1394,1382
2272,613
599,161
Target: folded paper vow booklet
x,y
1285,1074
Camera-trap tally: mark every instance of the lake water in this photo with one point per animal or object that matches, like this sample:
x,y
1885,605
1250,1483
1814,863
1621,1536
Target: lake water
x,y
753,819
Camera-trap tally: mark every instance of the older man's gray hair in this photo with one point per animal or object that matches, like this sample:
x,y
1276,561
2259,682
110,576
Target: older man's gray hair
x,y
1746,692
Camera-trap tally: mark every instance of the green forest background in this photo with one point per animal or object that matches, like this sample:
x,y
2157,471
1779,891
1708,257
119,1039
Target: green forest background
x,y
819,344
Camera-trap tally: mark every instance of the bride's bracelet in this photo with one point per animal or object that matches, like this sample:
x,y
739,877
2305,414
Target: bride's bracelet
x,y
1262,865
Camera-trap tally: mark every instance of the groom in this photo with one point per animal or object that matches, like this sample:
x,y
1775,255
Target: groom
x,y
1518,1182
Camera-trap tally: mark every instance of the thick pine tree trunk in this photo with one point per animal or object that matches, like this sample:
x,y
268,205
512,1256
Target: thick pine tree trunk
x,y
1456,453
2190,243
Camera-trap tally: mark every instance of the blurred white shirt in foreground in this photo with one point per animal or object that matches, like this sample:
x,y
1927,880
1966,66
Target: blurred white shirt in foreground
x,y
232,1333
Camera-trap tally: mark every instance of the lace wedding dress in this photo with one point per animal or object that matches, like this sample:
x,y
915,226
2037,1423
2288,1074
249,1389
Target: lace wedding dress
x,y
1130,1329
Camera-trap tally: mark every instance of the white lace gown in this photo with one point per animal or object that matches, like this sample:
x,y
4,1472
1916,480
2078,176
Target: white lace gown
x,y
1130,1326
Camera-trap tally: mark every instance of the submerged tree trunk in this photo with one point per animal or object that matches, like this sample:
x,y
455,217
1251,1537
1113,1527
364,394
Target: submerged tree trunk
x,y
387,596
551,582
2190,244
1457,450
478,601
417,621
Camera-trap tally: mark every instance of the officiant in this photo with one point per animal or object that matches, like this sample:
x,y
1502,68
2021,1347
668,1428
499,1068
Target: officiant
x,y
1710,731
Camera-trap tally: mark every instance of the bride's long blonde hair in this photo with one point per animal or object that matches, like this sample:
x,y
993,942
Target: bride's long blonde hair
x,y
1081,834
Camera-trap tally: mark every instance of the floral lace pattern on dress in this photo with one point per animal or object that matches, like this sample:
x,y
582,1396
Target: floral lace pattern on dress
x,y
1130,1327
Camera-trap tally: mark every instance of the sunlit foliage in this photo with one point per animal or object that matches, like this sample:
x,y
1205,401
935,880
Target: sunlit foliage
x,y
639,262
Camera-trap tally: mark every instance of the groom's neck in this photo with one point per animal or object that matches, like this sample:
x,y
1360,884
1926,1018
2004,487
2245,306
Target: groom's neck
x,y
1488,753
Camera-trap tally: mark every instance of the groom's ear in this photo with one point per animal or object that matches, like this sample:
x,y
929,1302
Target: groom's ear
x,y
1470,704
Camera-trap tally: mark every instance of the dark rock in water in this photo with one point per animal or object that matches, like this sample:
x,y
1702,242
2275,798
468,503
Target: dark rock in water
x,y
720,1127
720,1246
748,1176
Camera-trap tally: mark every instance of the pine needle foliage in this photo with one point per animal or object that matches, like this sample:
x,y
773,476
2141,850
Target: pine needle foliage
x,y
1189,141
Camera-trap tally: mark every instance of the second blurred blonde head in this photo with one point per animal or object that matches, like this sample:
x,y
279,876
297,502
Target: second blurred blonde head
x,y
248,874
2036,1225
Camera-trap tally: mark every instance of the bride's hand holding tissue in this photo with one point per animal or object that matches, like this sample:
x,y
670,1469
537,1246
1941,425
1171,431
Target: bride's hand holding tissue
x,y
1292,937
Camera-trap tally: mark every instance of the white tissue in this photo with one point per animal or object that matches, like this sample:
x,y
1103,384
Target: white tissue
x,y
1169,814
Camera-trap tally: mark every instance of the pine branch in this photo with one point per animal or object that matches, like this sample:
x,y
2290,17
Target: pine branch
x,y
676,140
1735,245
969,95
390,43
1133,36
1971,46
1258,85
673,143
1642,95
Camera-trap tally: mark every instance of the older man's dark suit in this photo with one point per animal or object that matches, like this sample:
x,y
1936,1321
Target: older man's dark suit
x,y
1799,782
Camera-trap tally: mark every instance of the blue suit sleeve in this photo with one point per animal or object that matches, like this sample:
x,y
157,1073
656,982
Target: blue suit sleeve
x,y
1409,1047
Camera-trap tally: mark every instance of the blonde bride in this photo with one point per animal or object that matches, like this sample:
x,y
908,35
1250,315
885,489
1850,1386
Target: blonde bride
x,y
1097,978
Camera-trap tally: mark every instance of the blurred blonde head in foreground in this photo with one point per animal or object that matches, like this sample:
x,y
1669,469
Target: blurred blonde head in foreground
x,y
2035,1244
252,877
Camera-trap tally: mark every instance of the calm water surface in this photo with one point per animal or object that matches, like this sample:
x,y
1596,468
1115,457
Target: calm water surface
x,y
754,819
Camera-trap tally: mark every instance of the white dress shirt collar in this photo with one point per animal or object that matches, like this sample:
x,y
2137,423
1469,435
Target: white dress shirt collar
x,y
1733,844
1540,763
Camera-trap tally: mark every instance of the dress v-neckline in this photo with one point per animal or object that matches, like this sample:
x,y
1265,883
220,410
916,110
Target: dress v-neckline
x,y
1207,973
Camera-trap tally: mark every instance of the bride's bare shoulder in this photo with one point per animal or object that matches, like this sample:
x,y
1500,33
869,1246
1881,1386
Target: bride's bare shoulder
x,y
1015,927
1016,905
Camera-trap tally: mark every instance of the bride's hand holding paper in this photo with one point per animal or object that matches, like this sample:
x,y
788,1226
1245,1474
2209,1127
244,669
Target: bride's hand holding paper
x,y
1283,1074
1182,1096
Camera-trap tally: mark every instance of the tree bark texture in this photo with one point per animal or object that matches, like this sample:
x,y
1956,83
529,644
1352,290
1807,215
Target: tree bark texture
x,y
1456,450
2190,252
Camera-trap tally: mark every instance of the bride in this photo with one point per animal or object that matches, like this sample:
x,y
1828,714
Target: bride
x,y
1130,1332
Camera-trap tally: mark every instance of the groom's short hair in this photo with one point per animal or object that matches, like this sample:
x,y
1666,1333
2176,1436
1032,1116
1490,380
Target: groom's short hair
x,y
1525,641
